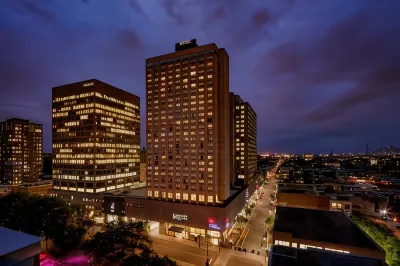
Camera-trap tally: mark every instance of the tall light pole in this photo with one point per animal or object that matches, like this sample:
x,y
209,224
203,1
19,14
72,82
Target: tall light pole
x,y
207,262
207,246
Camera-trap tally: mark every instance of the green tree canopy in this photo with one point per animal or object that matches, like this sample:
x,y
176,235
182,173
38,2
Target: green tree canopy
x,y
117,241
43,216
383,236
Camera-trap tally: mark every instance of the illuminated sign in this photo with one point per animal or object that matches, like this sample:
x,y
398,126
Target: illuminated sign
x,y
214,226
88,84
185,42
247,194
179,217
112,207
227,225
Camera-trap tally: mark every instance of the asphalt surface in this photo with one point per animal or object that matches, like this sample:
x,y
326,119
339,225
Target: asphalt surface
x,y
256,224
184,253
391,225
239,261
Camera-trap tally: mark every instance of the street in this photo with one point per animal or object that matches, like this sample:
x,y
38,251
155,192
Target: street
x,y
390,225
185,253
256,223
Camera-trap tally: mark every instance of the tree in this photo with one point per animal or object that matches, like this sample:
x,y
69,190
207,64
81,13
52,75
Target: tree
x,y
241,219
148,257
272,196
270,222
247,210
382,235
117,241
48,217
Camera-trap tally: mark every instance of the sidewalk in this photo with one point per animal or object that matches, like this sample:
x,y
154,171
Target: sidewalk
x,y
227,254
224,254
256,224
154,234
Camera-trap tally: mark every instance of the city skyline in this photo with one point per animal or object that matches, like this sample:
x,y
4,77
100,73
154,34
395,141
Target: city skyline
x,y
316,84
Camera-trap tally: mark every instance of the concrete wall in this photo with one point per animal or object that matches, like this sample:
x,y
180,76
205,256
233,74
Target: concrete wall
x,y
28,256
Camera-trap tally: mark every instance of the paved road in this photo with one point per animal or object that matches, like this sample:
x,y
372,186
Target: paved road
x,y
239,261
256,224
391,225
182,252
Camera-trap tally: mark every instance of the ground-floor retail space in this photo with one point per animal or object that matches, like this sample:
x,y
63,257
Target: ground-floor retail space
x,y
191,233
203,224
199,235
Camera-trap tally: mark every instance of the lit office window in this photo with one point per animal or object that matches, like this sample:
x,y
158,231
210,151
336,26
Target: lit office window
x,y
210,199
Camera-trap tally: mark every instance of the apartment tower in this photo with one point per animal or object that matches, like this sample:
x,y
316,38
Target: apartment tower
x,y
21,151
244,122
96,138
188,151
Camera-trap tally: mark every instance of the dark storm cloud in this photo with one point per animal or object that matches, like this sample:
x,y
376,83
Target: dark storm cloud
x,y
321,75
39,11
369,55
130,39
261,17
172,8
358,53
136,6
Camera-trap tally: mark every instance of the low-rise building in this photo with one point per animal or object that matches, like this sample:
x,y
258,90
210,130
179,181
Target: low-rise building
x,y
284,172
39,188
370,203
325,230
288,256
18,248
317,202
5,189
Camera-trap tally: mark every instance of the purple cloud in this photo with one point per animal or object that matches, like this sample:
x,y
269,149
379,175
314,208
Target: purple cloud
x,y
320,76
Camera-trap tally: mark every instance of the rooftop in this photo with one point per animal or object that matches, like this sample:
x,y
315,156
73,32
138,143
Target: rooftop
x,y
14,240
319,225
288,256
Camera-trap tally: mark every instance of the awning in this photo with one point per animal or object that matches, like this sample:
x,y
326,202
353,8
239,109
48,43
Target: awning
x,y
176,229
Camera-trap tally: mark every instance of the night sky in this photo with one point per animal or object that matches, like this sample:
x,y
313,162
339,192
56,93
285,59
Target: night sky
x,y
321,75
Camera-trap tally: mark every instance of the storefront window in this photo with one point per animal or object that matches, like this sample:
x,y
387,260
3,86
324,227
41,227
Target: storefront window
x,y
213,233
112,218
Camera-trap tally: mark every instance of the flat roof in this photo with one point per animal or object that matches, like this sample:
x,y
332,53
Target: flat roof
x,y
288,256
95,86
14,240
37,183
319,225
